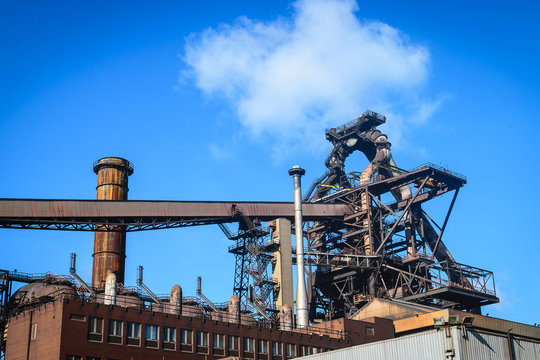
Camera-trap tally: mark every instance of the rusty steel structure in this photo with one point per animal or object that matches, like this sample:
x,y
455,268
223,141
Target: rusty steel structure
x,y
137,215
388,246
110,246
367,233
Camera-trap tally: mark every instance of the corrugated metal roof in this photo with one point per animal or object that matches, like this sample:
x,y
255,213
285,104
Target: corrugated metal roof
x,y
444,343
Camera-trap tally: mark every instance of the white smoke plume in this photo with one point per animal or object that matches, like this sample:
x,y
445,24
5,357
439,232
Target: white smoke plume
x,y
293,77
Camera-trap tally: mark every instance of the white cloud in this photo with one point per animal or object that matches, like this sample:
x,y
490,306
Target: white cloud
x,y
293,77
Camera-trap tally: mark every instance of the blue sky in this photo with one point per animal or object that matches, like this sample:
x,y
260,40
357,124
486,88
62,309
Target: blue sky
x,y
217,100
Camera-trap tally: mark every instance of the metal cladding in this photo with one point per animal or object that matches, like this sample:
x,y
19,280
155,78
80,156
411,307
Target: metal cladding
x,y
302,312
110,246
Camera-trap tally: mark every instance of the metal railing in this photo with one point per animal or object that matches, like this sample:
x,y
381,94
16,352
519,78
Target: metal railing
x,y
440,168
191,307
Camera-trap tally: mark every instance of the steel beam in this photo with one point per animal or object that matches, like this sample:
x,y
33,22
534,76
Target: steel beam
x,y
147,215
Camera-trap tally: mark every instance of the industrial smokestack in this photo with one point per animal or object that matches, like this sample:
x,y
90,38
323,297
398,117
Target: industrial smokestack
x,y
110,246
302,314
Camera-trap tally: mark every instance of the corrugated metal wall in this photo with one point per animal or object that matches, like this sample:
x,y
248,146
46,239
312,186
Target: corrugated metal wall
x,y
439,344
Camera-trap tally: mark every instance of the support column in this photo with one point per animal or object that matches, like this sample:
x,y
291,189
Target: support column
x,y
282,270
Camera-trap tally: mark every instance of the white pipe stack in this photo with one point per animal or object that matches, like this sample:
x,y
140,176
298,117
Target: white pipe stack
x,y
302,313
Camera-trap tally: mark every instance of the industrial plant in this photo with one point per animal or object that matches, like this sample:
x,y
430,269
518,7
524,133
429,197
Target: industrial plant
x,y
374,277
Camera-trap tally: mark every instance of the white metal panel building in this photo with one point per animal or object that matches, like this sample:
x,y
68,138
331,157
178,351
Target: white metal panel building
x,y
450,342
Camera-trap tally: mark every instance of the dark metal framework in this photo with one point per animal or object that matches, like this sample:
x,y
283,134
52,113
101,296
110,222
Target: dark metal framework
x,y
368,235
407,260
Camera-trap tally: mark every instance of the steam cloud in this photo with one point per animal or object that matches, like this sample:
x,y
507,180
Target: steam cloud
x,y
321,67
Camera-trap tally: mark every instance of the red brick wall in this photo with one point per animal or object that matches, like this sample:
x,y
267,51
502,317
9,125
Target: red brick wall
x,y
59,336
46,345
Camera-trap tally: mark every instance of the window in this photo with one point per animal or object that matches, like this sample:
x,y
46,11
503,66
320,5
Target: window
x,y
133,333
77,317
169,338
233,342
263,347
186,340
219,341
92,358
276,348
290,350
249,345
133,330
186,337
370,330
169,334
151,332
115,331
202,338
151,336
33,332
115,327
202,342
304,350
73,357
315,349
95,329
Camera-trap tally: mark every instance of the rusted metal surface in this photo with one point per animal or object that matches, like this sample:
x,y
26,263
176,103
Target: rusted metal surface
x,y
146,215
110,246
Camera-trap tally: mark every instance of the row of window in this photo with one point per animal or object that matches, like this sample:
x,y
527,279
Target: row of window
x,y
78,357
168,339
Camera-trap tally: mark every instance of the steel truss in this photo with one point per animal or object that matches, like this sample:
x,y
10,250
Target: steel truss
x,y
390,248
252,284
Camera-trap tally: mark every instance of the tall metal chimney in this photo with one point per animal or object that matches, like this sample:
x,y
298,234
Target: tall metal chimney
x,y
302,314
110,246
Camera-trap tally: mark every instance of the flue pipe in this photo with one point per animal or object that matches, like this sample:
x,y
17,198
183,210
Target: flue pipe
x,y
302,314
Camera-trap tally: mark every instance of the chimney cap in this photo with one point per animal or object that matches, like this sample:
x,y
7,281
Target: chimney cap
x,y
114,162
297,170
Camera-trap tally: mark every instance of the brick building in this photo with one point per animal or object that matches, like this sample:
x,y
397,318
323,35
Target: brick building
x,y
68,328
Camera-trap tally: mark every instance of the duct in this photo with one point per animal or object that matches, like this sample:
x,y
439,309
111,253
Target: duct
x,y
384,161
144,287
200,294
302,312
73,272
110,289
175,299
